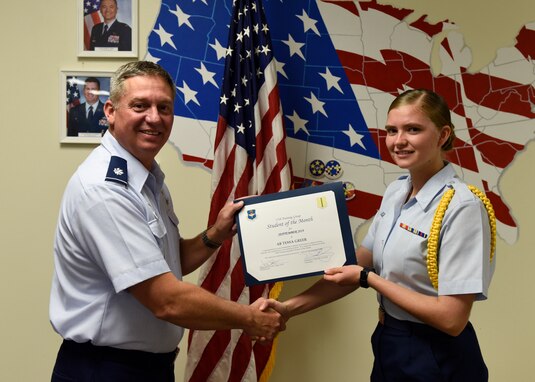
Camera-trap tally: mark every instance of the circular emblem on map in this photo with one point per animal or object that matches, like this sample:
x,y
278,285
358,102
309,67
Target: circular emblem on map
x,y
333,169
316,168
349,190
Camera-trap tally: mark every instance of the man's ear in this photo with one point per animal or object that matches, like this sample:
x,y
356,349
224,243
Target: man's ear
x,y
109,111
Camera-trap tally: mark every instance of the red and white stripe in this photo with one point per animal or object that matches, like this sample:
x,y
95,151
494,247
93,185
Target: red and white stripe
x,y
216,356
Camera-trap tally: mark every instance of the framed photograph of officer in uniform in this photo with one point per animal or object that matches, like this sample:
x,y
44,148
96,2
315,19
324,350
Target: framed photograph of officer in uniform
x,y
107,28
82,99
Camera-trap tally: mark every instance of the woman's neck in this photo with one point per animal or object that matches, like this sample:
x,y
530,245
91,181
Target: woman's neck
x,y
420,177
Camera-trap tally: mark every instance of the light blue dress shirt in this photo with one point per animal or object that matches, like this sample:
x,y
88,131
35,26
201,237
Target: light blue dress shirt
x,y
109,238
399,234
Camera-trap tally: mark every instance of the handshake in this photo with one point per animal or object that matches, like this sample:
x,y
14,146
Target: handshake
x,y
268,318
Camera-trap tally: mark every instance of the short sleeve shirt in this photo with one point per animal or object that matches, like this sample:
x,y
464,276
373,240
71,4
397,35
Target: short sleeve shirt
x,y
111,236
399,234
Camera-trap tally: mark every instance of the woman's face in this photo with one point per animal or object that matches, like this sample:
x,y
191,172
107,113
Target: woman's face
x,y
413,140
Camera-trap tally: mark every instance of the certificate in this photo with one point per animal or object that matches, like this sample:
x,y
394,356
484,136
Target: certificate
x,y
294,234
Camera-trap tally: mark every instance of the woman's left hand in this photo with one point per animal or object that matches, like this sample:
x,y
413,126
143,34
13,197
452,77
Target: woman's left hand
x,y
346,275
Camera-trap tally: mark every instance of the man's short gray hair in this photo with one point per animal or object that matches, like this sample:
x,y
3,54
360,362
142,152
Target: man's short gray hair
x,y
134,69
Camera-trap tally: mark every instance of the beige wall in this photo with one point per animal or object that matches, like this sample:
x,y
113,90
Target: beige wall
x,y
38,39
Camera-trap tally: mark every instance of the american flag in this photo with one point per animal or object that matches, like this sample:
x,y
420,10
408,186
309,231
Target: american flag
x,y
250,159
73,93
92,16
340,64
72,97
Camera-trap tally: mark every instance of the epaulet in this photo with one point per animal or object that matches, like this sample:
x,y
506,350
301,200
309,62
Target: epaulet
x,y
462,189
117,171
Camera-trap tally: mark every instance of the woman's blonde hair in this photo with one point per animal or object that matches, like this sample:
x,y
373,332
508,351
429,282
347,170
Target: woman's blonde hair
x,y
432,105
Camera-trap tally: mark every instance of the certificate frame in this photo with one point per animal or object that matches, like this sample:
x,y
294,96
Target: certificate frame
x,y
256,202
72,95
89,15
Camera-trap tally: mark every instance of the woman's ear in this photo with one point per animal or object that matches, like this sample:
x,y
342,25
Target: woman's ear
x,y
445,133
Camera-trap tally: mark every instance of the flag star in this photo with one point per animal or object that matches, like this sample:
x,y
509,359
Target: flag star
x,y
256,28
237,107
183,18
189,94
165,38
253,6
259,72
332,80
247,32
316,104
229,51
354,137
247,102
295,47
151,58
308,23
206,75
244,81
280,67
239,36
223,99
241,128
265,49
299,123
220,50
265,28
233,92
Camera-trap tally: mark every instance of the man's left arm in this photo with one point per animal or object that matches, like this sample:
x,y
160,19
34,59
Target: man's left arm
x,y
194,252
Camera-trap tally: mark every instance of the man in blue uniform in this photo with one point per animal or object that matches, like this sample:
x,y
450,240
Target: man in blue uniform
x,y
111,34
88,117
117,296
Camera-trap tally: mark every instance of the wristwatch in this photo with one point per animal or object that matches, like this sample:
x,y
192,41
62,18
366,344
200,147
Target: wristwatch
x,y
207,242
364,276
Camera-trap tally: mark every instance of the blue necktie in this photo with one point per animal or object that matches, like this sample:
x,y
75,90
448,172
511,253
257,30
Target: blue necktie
x,y
90,114
105,29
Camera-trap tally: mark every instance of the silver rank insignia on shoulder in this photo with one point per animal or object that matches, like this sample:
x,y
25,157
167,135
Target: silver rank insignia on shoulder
x,y
117,171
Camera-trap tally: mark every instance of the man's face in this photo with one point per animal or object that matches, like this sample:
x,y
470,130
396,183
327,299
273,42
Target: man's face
x,y
142,119
108,9
91,92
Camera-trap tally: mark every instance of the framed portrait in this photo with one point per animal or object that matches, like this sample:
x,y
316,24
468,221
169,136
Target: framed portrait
x,y
107,28
82,98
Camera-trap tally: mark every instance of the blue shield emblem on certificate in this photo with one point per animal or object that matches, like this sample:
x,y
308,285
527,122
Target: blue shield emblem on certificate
x,y
251,214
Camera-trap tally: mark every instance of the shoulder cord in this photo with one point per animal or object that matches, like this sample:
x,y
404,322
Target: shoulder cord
x,y
432,244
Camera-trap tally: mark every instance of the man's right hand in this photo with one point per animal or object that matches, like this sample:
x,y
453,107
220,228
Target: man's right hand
x,y
266,322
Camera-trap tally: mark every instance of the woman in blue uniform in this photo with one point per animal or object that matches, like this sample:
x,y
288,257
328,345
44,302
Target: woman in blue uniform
x,y
428,254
